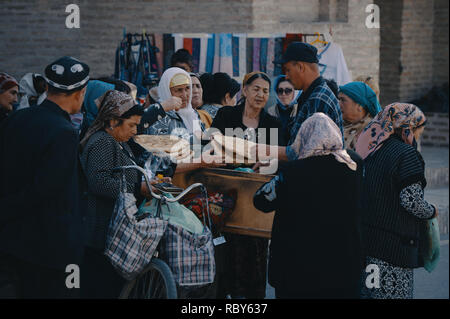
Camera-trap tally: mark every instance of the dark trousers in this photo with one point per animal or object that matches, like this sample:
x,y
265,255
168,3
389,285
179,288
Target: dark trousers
x,y
99,279
21,279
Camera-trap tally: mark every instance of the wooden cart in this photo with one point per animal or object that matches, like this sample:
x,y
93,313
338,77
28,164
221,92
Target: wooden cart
x,y
245,219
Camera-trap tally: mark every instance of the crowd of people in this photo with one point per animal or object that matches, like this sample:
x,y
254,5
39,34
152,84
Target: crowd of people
x,y
348,192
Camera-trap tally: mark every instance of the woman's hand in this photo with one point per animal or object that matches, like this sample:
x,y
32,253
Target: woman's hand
x,y
259,164
173,103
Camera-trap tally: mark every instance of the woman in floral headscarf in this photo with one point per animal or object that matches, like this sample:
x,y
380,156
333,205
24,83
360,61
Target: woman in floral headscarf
x,y
394,198
316,203
104,147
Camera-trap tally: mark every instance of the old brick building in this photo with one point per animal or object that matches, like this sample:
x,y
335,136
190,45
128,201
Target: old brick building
x,y
409,54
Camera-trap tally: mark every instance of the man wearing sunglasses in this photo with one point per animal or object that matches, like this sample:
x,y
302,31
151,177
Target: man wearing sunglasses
x,y
285,108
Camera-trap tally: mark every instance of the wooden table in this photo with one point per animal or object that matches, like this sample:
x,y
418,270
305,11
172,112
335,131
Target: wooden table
x,y
245,219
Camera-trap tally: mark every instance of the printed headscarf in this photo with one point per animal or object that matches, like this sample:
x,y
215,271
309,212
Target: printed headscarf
x,y
111,105
320,136
406,117
7,82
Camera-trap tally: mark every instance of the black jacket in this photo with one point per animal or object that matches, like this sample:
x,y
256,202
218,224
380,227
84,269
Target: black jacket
x,y
39,217
315,250
390,233
231,117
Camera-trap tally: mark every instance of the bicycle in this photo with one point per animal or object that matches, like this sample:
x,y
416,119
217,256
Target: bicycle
x,y
157,280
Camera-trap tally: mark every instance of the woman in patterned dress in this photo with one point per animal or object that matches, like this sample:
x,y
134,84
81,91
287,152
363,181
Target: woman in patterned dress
x,y
394,198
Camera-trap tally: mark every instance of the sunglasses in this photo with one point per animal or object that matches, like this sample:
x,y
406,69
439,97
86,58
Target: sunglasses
x,y
286,91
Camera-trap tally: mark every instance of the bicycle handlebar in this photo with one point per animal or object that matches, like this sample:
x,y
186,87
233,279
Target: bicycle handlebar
x,y
171,200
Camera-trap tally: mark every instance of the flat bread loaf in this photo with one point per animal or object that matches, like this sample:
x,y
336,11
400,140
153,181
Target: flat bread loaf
x,y
234,145
172,145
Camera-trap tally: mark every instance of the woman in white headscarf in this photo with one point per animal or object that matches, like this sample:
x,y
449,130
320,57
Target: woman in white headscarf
x,y
32,88
185,122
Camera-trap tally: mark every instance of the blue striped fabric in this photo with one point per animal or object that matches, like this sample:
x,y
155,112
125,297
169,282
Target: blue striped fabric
x,y
263,55
210,54
235,49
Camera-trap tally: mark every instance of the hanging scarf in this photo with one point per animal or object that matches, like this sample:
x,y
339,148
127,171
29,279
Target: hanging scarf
x,y
111,105
406,117
320,136
188,115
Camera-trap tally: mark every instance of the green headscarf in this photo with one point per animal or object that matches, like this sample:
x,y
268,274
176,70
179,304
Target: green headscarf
x,y
362,94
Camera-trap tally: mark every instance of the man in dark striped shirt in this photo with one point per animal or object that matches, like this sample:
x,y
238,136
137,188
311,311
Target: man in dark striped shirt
x,y
301,67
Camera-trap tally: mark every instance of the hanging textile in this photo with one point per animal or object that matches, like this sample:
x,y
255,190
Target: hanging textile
x,y
226,60
270,56
263,55
256,53
292,37
196,54
210,54
216,65
169,49
235,49
159,43
178,42
203,54
187,44
332,64
242,56
278,55
249,55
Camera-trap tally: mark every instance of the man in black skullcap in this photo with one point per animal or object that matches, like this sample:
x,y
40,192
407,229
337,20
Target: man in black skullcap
x,y
40,223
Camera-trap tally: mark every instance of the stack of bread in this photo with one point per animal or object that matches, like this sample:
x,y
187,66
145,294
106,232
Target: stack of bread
x,y
169,145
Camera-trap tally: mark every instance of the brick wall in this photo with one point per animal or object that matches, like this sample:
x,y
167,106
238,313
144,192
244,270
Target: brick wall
x,y
361,46
436,130
440,42
414,48
35,32
416,56
390,49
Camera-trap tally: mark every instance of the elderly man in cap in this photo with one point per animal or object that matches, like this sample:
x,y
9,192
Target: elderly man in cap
x,y
9,88
40,223
301,67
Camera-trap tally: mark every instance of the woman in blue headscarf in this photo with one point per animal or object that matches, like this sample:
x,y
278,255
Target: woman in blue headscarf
x,y
286,107
359,105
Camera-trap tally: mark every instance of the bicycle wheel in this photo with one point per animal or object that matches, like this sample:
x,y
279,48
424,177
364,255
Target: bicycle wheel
x,y
155,282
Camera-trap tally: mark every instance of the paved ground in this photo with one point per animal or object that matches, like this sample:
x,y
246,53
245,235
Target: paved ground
x,y
426,285
436,284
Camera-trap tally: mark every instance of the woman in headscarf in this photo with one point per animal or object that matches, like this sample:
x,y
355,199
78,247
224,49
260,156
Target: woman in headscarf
x,y
286,104
394,200
9,89
315,250
185,122
359,105
197,100
104,147
33,90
